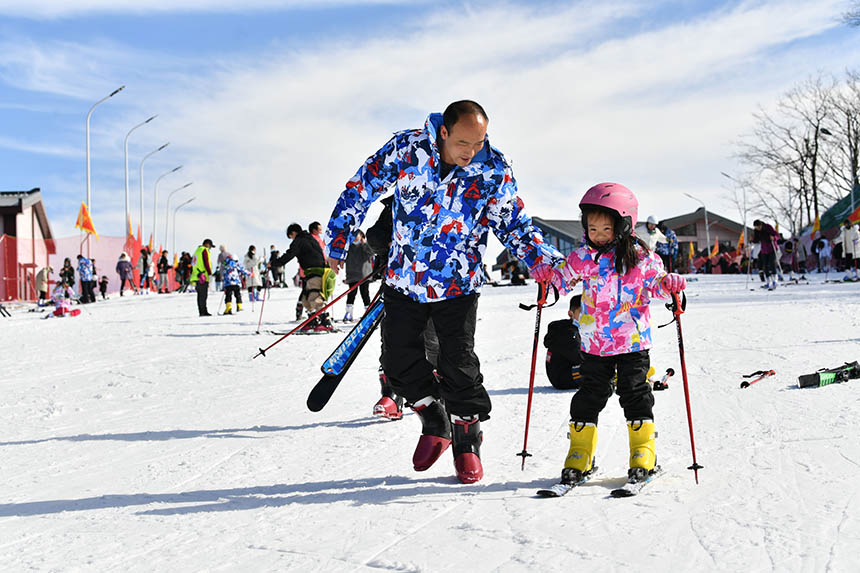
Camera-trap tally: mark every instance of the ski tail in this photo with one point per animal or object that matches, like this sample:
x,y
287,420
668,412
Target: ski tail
x,y
825,377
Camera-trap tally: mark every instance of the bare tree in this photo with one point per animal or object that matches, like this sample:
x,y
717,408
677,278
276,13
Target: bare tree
x,y
852,15
784,154
842,152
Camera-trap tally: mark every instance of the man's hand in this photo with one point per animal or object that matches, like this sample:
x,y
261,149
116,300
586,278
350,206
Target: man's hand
x,y
334,264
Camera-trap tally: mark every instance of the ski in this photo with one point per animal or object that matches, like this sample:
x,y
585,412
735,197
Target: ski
x,y
825,377
336,365
761,374
633,486
561,488
662,383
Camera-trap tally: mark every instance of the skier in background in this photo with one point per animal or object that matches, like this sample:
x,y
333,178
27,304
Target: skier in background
x,y
619,276
654,234
232,275
85,270
438,244
252,267
125,272
309,254
850,250
67,273
43,279
201,271
103,285
143,269
359,264
766,236
163,267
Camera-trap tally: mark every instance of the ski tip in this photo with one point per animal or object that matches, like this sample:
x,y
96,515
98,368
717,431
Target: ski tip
x,y
745,384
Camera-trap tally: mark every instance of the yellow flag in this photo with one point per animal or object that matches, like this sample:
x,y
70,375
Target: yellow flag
x,y
84,222
816,227
692,252
716,250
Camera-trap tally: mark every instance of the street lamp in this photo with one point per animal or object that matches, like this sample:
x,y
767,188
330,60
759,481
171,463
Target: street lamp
x,y
145,157
155,204
180,206
113,93
707,227
127,212
167,207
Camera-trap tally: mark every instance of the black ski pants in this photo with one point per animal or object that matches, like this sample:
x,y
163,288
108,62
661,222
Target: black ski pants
x,y
364,289
596,386
404,357
230,291
202,288
769,264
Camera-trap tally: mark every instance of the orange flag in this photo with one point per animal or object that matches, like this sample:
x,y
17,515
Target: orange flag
x,y
740,242
816,227
692,252
716,250
84,222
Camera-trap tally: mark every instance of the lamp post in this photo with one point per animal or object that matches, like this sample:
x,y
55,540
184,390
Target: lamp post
x,y
167,207
707,227
89,114
142,161
127,212
178,207
155,204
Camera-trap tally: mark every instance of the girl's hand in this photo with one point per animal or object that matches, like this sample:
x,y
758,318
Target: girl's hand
x,y
547,274
674,283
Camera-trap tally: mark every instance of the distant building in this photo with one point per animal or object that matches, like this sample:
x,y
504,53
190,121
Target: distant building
x,y
26,242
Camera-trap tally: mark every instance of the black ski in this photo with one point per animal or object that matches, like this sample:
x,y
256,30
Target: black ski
x,y
336,366
561,488
634,486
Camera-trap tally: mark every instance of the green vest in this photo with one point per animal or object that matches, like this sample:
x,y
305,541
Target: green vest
x,y
199,267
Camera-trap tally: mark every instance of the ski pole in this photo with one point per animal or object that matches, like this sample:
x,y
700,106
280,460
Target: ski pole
x,y
677,308
262,308
218,312
262,351
541,301
761,374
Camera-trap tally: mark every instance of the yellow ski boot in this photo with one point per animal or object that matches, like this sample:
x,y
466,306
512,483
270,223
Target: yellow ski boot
x,y
642,448
580,457
229,308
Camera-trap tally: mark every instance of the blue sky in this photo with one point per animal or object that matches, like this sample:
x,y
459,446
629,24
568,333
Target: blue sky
x,y
271,106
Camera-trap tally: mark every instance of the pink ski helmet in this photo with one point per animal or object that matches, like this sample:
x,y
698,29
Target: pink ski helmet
x,y
616,198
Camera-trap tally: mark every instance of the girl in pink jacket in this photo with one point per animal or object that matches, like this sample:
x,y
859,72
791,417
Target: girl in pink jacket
x,y
619,275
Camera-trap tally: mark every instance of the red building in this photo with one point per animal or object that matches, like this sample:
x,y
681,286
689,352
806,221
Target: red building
x,y
26,242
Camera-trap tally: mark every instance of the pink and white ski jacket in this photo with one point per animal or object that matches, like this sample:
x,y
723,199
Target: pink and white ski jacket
x,y
615,315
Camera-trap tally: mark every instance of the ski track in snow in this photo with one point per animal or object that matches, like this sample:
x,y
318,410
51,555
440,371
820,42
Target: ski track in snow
x,y
138,437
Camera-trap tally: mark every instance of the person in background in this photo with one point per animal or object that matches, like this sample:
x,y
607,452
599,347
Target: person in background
x,y
277,272
654,235
201,271
252,266
223,255
103,285
85,270
125,272
233,274
143,270
668,251
43,279
67,273
766,237
306,250
359,264
850,250
163,267
563,352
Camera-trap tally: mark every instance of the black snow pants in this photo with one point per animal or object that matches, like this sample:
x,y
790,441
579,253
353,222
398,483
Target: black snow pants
x,y
596,386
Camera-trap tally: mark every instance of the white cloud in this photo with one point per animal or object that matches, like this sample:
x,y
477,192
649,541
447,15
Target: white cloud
x,y
51,9
575,97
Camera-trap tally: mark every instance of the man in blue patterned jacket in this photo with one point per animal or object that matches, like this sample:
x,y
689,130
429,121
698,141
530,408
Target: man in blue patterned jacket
x,y
450,188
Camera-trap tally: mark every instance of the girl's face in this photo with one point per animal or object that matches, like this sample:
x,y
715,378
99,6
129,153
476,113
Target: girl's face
x,y
601,229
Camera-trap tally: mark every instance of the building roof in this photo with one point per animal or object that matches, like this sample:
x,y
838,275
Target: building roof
x,y
681,220
572,229
17,201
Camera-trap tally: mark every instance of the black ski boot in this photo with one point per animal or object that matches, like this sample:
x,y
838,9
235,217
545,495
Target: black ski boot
x,y
435,433
467,438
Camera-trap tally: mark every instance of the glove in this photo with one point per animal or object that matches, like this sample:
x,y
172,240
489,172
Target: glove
x,y
674,283
547,274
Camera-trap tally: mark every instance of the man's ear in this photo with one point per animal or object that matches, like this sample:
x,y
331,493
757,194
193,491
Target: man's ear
x,y
443,132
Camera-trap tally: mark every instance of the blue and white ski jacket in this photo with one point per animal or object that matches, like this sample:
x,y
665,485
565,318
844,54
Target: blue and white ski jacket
x,y
440,226
670,247
233,272
85,269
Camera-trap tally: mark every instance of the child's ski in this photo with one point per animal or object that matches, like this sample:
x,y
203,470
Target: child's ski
x,y
561,488
760,375
336,366
634,486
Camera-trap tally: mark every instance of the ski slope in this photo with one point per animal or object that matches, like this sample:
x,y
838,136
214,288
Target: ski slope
x,y
139,437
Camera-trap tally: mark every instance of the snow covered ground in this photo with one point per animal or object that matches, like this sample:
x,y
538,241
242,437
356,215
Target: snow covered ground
x,y
139,437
